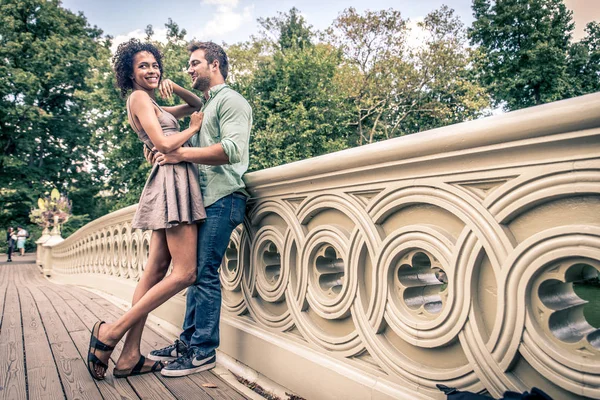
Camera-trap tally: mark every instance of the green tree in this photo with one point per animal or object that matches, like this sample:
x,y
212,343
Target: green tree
x,y
298,109
288,31
397,89
447,91
245,59
44,136
584,62
524,46
374,48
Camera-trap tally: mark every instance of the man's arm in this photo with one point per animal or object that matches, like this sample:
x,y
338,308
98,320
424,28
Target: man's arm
x,y
211,155
193,103
235,120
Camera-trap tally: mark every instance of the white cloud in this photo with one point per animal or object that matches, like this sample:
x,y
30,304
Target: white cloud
x,y
160,35
224,3
227,18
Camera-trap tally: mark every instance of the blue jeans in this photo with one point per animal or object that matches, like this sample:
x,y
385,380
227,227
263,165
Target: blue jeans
x,y
203,302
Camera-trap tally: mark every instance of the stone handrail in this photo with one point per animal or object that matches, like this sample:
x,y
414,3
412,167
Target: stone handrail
x,y
448,256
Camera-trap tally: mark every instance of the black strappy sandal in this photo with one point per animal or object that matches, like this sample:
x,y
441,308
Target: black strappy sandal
x,y
92,359
137,370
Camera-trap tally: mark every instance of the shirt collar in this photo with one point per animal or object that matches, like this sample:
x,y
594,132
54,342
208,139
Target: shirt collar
x,y
216,89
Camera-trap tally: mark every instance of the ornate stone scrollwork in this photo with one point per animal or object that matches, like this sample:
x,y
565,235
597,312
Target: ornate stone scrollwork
x,y
232,271
422,283
463,267
265,274
562,310
135,255
123,257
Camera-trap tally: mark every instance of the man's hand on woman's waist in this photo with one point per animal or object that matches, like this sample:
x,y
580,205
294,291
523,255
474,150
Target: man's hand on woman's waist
x,y
174,157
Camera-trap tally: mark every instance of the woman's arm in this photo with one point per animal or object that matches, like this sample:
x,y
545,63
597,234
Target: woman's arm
x,y
167,88
143,109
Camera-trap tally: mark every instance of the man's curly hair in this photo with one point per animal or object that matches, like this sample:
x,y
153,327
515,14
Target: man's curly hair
x,y
123,62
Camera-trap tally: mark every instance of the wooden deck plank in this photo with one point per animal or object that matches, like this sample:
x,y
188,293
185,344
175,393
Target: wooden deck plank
x,y
222,391
183,388
42,376
3,285
73,372
66,314
146,386
12,364
110,388
151,340
44,343
111,312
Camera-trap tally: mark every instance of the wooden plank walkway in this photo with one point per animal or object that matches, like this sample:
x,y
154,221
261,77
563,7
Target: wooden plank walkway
x,y
44,335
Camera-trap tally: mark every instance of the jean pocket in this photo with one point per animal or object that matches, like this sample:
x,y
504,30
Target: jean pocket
x,y
238,208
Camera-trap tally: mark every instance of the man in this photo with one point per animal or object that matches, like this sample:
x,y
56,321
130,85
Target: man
x,y
221,151
11,239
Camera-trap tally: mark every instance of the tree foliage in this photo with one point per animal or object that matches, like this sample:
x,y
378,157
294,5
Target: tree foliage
x,y
398,89
584,62
298,112
527,57
364,79
45,139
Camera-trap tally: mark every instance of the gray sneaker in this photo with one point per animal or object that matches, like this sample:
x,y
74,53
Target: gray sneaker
x,y
169,353
189,364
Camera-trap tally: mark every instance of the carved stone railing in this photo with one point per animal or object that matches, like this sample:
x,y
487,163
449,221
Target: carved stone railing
x,y
449,256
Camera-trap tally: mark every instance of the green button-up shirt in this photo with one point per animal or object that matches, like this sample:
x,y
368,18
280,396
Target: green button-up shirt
x,y
227,120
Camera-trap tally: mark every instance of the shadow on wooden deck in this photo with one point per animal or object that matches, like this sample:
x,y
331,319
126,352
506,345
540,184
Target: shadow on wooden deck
x,y
44,335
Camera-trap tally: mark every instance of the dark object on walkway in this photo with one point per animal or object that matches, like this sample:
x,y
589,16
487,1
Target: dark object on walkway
x,y
11,242
137,370
455,394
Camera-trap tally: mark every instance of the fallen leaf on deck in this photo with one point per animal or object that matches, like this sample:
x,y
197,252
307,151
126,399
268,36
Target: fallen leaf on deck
x,y
209,385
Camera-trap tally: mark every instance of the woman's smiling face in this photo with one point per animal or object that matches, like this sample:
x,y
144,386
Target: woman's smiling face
x,y
146,71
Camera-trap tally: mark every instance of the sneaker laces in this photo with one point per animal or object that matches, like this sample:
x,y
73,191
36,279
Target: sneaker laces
x,y
183,356
176,344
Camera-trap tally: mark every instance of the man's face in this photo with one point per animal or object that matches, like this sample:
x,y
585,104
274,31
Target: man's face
x,y
200,71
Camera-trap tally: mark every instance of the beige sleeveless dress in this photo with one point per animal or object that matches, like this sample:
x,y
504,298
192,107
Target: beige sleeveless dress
x,y
172,194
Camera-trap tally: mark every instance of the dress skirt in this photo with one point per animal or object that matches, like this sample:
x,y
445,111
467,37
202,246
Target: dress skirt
x,y
170,197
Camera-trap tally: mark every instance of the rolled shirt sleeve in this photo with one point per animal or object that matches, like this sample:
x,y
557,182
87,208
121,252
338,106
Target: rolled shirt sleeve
x,y
235,122
228,122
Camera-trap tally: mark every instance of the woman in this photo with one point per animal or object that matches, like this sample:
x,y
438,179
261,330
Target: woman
x,y
170,205
21,239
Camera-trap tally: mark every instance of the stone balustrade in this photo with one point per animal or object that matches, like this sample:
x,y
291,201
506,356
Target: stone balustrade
x,y
451,256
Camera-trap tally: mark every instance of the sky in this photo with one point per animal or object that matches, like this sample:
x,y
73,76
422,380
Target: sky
x,y
233,21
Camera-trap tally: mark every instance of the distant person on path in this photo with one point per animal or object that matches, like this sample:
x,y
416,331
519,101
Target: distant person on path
x,y
11,240
22,236
221,152
170,206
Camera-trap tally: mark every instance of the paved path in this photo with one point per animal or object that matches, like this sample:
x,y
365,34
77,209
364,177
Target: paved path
x,y
44,336
28,258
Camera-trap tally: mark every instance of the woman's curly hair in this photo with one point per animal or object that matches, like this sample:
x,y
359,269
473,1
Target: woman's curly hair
x,y
123,62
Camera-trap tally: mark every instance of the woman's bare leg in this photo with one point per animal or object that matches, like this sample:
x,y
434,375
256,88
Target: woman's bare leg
x,y
159,259
181,242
